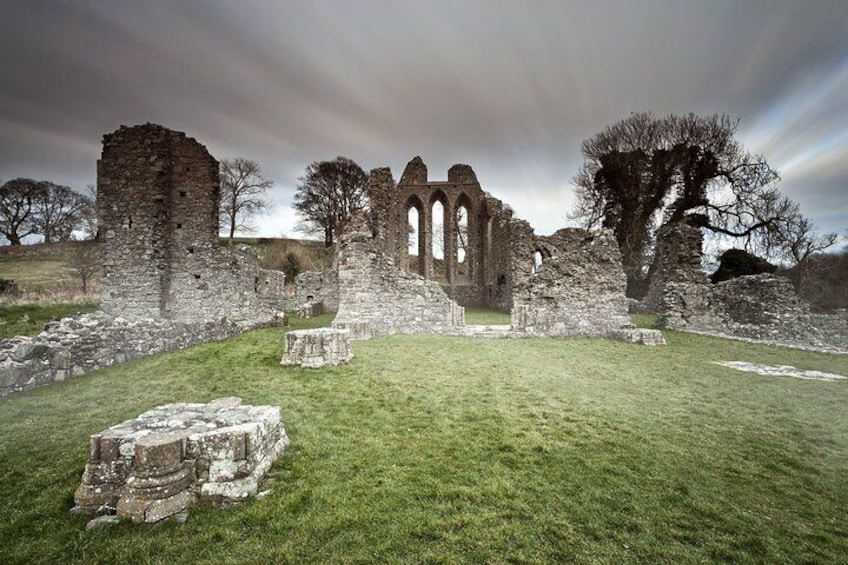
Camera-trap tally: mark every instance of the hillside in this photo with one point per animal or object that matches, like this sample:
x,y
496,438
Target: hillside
x,y
53,270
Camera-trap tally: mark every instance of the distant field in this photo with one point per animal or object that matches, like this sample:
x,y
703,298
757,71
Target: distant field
x,y
40,268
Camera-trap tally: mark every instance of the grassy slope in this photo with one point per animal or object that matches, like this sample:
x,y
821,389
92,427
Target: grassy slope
x,y
29,318
442,449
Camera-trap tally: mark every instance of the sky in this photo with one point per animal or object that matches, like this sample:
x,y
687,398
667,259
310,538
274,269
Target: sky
x,y
509,87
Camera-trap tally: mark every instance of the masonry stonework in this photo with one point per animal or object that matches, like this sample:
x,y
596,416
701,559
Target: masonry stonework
x,y
158,209
158,464
580,290
375,293
576,287
760,307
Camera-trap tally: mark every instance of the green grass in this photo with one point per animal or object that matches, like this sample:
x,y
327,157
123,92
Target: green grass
x,y
452,450
485,316
29,318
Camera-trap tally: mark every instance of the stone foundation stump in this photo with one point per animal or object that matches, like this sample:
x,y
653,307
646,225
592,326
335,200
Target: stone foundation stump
x,y
316,348
639,336
157,465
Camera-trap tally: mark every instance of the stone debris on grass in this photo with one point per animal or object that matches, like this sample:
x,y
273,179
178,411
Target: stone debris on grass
x,y
157,465
781,371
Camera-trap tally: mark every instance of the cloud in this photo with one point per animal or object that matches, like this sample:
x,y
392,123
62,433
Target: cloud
x,y
509,88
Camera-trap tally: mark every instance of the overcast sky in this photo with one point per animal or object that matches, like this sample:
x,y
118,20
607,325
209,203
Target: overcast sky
x,y
510,88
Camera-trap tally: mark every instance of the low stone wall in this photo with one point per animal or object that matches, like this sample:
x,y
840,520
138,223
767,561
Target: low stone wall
x,y
311,287
755,307
87,342
158,464
577,290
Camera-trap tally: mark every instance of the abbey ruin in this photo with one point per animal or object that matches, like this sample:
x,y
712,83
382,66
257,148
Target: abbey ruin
x,y
166,283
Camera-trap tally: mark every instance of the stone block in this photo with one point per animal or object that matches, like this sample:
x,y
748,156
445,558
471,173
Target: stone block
x,y
640,336
156,465
317,348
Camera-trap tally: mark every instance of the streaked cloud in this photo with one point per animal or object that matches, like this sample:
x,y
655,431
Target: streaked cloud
x,y
511,88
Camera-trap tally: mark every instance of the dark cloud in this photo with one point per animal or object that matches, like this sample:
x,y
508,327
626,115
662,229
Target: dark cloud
x,y
510,88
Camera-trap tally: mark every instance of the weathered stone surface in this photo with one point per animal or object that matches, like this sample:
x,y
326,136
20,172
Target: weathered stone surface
x,y
577,288
317,348
373,290
475,272
640,336
158,195
760,307
158,464
357,330
84,343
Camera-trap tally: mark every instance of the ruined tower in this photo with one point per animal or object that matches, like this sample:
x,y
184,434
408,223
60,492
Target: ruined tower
x,y
158,209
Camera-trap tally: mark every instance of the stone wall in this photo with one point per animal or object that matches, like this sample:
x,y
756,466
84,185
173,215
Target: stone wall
x,y
677,261
481,277
761,307
87,342
373,289
158,210
577,289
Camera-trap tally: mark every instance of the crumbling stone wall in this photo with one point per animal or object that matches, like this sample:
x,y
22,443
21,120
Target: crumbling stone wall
x,y
677,263
158,209
374,290
579,291
316,290
569,283
761,307
87,342
481,279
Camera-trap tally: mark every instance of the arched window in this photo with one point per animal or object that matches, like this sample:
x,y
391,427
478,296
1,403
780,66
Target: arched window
x,y
415,238
537,261
438,240
463,242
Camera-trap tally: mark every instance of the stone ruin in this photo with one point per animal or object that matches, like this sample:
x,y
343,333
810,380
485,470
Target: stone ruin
x,y
321,347
570,283
165,282
159,464
158,200
761,307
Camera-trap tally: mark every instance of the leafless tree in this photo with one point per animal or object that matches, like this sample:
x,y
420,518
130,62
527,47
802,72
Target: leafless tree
x,y
644,171
57,211
328,195
16,201
88,217
243,195
84,262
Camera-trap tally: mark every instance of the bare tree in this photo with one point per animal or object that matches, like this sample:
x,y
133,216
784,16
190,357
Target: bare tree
x,y
796,241
328,195
243,195
88,217
57,211
644,171
16,204
84,262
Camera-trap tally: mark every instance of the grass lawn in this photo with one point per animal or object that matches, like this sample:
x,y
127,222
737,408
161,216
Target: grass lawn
x,y
29,318
451,450
485,317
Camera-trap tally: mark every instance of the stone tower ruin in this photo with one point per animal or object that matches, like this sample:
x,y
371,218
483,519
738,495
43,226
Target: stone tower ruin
x,y
158,208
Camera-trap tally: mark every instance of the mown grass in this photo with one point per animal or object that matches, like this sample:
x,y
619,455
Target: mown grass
x,y
485,317
28,318
453,450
